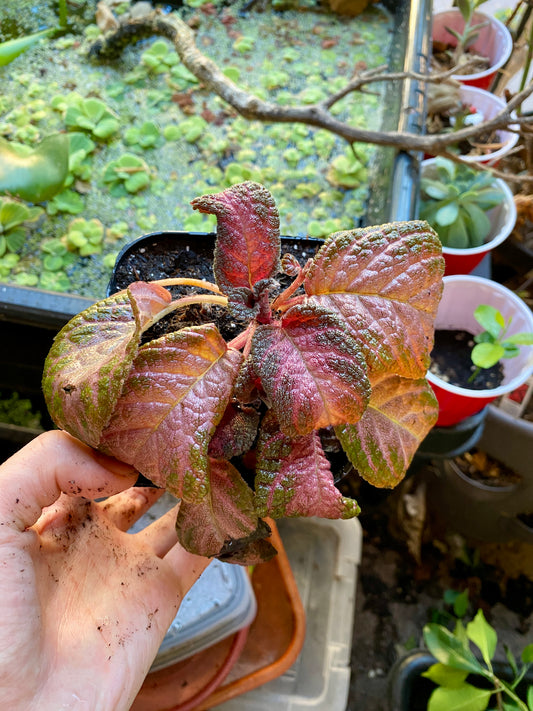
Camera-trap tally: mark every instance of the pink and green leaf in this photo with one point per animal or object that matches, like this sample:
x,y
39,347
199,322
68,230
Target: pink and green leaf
x,y
398,417
385,283
311,370
248,241
293,477
236,432
225,524
175,396
91,358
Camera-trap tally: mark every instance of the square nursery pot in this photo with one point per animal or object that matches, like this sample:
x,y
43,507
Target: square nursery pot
x,y
494,41
502,218
461,296
408,690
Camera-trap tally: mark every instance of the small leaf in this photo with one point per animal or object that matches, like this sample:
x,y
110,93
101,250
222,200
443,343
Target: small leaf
x,y
530,697
450,650
382,444
527,654
311,370
447,214
520,339
463,698
248,241
485,355
483,636
445,676
224,524
490,319
293,477
12,48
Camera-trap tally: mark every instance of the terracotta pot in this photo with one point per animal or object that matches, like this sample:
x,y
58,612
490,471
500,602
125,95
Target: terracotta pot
x,y
462,294
502,218
494,41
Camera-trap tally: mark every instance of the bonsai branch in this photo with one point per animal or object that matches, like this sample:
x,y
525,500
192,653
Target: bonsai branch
x,y
318,114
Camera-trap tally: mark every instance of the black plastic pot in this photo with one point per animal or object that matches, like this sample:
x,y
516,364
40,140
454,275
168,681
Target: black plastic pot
x,y
408,690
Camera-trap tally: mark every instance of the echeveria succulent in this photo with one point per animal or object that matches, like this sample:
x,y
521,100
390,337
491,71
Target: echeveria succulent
x,y
344,349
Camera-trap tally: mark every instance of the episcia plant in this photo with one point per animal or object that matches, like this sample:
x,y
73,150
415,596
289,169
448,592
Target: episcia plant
x,y
493,344
343,350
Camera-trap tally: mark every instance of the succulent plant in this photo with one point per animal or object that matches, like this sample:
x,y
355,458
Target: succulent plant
x,y
455,203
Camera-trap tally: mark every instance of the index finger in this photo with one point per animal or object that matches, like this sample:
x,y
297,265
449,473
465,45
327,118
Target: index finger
x,y
53,463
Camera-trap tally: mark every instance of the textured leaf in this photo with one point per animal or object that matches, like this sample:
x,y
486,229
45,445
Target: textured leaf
x,y
225,524
293,477
398,417
248,242
311,370
171,403
236,432
91,358
385,283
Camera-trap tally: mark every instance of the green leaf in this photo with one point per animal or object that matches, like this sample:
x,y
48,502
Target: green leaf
x,y
463,698
527,654
483,636
481,224
490,319
530,697
12,48
444,675
520,339
485,355
457,235
15,239
447,214
449,650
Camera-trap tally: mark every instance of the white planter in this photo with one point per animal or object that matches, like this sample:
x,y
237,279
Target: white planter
x,y
494,41
502,218
462,294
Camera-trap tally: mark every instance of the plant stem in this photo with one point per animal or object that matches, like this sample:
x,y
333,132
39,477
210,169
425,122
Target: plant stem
x,y
184,281
62,13
187,301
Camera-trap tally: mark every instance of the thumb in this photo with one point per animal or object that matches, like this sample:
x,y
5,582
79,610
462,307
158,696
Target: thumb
x,y
53,463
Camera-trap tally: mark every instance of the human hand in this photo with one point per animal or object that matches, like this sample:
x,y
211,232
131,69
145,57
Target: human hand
x,y
85,605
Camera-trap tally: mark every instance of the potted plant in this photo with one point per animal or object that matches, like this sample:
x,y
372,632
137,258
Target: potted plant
x,y
465,36
472,212
462,295
452,106
461,671
324,356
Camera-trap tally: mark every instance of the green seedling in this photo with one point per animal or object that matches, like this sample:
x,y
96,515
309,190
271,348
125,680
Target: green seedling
x,y
456,202
470,33
34,174
14,219
80,148
462,677
84,236
127,174
91,115
67,201
56,257
244,44
493,344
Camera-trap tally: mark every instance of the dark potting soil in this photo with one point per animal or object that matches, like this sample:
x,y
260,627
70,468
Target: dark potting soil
x,y
481,467
451,360
191,255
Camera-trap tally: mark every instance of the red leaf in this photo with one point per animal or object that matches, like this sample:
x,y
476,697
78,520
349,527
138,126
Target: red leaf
x,y
172,401
293,477
236,432
311,369
398,417
225,523
385,283
91,357
248,242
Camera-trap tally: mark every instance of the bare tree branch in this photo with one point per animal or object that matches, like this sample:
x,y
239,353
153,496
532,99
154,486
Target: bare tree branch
x,y
252,107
